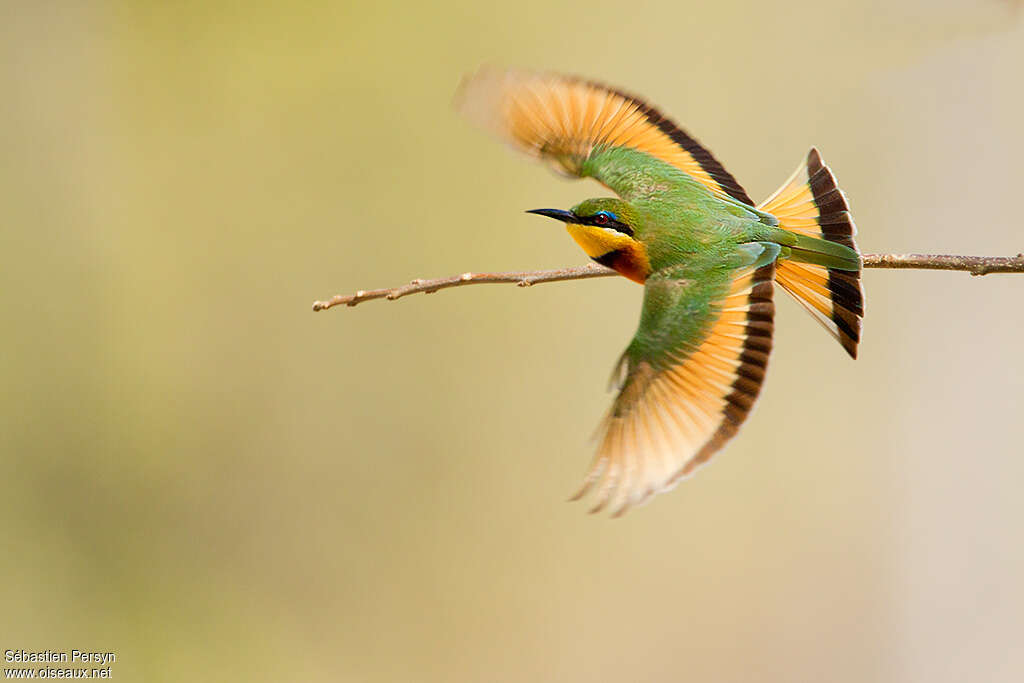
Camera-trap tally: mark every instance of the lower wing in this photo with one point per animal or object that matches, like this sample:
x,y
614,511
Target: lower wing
x,y
692,374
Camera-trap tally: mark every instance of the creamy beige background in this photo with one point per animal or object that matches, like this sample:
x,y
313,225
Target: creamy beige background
x,y
217,484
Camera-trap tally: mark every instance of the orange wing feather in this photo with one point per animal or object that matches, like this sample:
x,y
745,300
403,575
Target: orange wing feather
x,y
561,119
671,416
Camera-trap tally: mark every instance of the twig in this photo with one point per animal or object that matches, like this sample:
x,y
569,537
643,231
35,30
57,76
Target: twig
x,y
975,265
523,278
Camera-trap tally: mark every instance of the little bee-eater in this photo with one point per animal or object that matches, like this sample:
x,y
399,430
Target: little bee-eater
x,y
707,256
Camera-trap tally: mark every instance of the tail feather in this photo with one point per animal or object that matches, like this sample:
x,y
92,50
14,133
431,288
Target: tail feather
x,y
811,205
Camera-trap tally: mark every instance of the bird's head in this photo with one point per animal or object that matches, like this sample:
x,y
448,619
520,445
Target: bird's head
x,y
606,229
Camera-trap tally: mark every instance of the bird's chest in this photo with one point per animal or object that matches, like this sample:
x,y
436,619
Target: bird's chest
x,y
627,262
616,251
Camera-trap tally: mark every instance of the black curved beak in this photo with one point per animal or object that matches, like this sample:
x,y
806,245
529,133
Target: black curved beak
x,y
557,214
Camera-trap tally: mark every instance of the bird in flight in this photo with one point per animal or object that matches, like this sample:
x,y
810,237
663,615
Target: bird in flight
x,y
707,256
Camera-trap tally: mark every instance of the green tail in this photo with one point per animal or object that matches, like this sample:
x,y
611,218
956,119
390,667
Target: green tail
x,y
820,252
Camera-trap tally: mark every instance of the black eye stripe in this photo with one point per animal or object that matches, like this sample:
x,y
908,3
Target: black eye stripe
x,y
607,221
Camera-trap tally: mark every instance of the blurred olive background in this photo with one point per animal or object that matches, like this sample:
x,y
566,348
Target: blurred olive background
x,y
207,478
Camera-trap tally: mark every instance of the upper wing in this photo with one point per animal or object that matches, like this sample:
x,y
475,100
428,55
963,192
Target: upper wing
x,y
561,119
692,373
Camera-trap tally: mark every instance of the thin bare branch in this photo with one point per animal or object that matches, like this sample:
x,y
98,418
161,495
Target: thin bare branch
x,y
975,265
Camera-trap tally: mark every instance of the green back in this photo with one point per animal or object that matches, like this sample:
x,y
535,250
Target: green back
x,y
676,217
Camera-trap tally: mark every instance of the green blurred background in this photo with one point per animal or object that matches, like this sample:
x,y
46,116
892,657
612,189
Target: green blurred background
x,y
205,477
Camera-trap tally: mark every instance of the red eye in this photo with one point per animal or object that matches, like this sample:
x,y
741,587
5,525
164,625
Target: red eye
x,y
601,219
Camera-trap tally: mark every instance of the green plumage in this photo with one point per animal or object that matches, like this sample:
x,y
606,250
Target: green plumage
x,y
679,300
695,235
676,217
708,259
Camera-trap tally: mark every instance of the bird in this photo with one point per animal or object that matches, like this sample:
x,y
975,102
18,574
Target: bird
x,y
707,256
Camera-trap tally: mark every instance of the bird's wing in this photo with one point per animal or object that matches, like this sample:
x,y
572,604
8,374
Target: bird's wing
x,y
561,119
691,373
